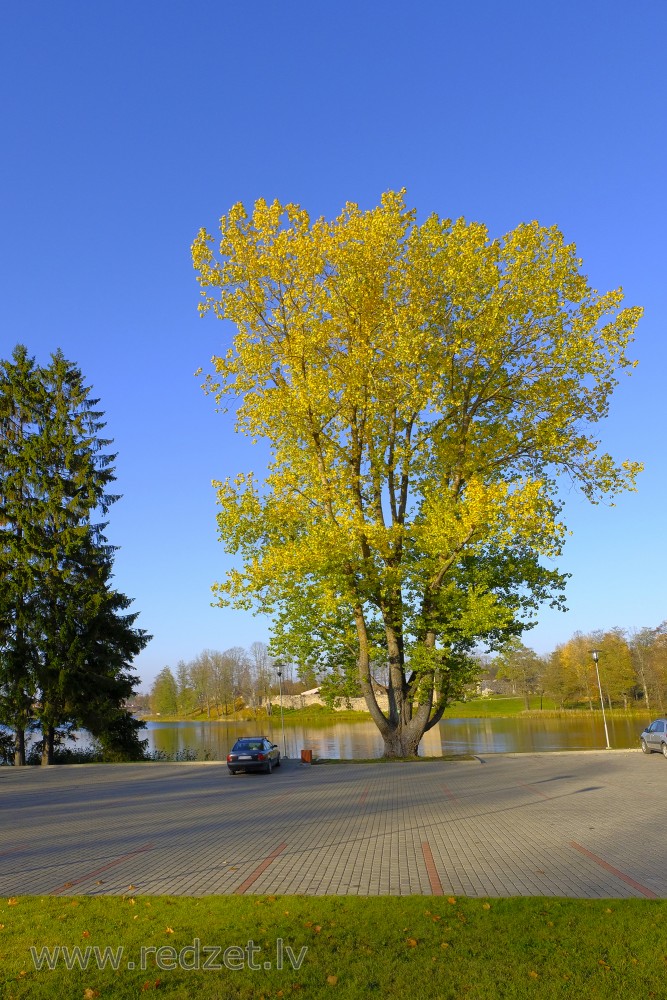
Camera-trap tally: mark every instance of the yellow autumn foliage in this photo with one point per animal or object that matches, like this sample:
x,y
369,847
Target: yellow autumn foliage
x,y
423,388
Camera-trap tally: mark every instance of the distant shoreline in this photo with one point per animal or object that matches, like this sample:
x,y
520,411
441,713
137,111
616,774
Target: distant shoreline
x,y
479,708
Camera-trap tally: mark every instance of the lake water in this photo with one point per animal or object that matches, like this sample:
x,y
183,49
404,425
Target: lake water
x,y
361,739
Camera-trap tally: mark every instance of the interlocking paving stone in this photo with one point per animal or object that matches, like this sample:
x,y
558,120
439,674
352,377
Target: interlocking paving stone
x,y
505,824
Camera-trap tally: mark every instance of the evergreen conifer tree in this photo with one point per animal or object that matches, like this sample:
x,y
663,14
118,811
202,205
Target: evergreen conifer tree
x,y
20,406
81,644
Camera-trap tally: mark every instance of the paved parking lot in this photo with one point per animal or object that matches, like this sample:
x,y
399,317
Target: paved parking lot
x,y
569,824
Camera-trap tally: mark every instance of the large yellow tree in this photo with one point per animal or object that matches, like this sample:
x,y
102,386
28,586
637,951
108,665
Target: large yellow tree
x,y
422,388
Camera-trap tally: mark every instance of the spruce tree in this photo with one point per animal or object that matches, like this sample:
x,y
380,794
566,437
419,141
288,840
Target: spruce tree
x,y
21,399
83,644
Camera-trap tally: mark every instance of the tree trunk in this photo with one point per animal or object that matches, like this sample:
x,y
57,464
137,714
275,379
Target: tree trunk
x,y
403,742
19,748
47,748
646,697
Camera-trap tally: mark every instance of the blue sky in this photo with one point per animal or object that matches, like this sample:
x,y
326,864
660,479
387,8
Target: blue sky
x,y
127,126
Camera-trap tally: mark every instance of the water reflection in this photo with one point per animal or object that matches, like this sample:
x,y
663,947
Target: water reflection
x,y
361,739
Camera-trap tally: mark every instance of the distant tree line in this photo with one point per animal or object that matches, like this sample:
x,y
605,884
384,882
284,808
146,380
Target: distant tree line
x,y
220,683
66,639
632,666
633,674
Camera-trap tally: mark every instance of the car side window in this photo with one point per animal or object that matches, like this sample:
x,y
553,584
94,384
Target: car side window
x,y
653,728
660,727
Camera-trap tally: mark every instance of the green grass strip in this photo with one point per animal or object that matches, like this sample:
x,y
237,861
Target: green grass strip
x,y
332,946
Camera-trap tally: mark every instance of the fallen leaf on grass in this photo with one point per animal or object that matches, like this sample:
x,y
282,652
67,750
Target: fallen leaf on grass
x,y
411,943
85,934
486,906
450,899
332,980
533,975
169,930
90,994
13,901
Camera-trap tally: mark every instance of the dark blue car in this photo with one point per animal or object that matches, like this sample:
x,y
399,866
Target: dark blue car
x,y
253,753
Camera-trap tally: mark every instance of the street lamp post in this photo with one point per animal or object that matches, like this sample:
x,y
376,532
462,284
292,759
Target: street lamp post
x,y
282,717
596,656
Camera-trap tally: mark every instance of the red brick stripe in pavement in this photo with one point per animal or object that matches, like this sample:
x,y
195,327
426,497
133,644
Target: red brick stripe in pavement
x,y
258,871
610,868
431,870
13,850
450,794
104,868
531,788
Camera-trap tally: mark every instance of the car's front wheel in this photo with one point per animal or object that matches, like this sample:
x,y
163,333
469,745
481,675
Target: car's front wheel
x,y
645,748
664,749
